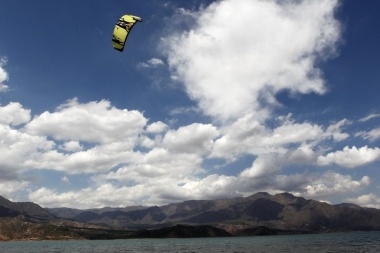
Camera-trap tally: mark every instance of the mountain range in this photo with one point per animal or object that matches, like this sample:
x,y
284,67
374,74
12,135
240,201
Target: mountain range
x,y
258,214
281,211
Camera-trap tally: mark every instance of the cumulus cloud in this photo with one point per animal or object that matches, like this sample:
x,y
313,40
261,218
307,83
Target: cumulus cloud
x,y
366,200
109,136
248,136
14,114
265,165
10,188
3,74
17,148
97,138
305,184
195,138
96,122
271,164
332,183
238,56
156,127
294,133
157,167
214,186
350,157
71,146
100,158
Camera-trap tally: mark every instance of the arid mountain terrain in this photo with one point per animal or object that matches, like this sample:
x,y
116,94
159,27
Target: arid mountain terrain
x,y
258,214
280,211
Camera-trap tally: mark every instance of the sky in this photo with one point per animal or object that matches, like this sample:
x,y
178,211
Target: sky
x,y
210,99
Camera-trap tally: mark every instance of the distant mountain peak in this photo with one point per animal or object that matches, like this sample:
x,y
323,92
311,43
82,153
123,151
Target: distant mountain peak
x,y
4,201
28,208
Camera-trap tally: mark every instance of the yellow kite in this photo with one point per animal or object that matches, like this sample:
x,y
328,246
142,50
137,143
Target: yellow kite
x,y
122,29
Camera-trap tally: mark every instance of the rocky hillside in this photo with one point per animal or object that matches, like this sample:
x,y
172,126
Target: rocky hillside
x,y
18,228
13,209
281,211
29,221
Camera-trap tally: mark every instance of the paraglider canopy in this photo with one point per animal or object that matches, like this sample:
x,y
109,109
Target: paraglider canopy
x,y
122,29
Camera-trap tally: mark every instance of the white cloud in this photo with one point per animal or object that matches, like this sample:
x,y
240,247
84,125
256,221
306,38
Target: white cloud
x,y
158,166
71,146
372,135
152,63
184,110
302,155
213,187
156,127
14,114
245,136
97,159
111,132
9,188
115,134
195,138
366,200
65,180
17,148
105,195
265,165
156,130
3,75
95,122
294,133
369,117
350,157
335,130
332,183
249,136
238,55
271,164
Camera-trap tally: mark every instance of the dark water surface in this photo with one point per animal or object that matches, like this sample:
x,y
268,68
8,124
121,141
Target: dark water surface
x,y
322,243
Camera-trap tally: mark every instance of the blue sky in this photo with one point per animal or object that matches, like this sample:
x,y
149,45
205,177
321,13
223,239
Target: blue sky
x,y
210,99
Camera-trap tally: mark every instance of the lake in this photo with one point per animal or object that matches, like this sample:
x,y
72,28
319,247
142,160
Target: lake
x,y
321,243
